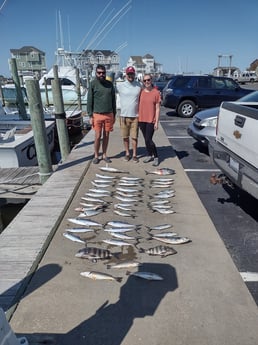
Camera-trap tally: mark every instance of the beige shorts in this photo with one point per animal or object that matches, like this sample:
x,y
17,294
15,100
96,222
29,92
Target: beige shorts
x,y
129,127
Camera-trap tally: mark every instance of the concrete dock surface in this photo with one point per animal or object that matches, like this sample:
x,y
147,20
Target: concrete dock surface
x,y
202,298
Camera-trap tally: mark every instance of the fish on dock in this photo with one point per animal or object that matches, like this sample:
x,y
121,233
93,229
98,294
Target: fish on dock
x,y
73,238
100,276
171,240
113,170
145,275
162,210
84,222
124,214
114,242
93,253
90,213
161,171
121,224
105,177
160,227
162,251
125,264
79,230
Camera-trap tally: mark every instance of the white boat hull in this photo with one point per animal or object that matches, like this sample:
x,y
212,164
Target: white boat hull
x,y
20,151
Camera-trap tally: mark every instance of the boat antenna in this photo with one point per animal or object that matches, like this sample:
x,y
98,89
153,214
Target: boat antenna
x,y
3,4
110,22
93,25
69,36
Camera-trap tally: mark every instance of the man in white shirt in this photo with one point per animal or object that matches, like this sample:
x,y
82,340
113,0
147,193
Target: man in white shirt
x,y
129,92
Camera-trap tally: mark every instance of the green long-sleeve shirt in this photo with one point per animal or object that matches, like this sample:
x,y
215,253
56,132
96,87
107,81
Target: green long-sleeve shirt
x,y
101,97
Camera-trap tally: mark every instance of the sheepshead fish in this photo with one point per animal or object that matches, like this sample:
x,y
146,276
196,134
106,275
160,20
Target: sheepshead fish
x,y
163,251
125,264
93,254
161,171
145,275
100,276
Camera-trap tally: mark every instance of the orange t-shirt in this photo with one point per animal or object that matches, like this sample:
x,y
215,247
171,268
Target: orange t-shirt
x,y
147,105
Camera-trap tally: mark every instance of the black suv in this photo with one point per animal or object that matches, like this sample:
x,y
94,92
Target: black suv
x,y
188,93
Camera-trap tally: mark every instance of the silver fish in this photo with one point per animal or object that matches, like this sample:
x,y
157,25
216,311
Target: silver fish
x,y
95,200
159,202
92,195
131,178
172,240
161,171
125,264
105,177
161,206
90,213
166,234
93,253
124,214
162,251
123,208
120,224
128,194
89,208
162,196
79,230
122,236
114,242
162,210
129,184
100,276
118,230
104,181
73,238
85,222
100,185
161,180
100,191
159,185
159,227
126,199
145,275
128,190
113,170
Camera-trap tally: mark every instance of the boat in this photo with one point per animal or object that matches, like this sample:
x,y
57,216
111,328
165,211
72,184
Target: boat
x,y
17,146
67,78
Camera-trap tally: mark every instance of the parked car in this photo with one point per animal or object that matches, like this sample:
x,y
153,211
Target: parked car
x,y
203,125
189,93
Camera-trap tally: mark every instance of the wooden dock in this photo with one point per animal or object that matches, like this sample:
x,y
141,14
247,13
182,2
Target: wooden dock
x,y
20,183
24,241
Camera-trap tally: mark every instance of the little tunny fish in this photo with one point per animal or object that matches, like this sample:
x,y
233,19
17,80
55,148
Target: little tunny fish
x,y
162,210
100,276
73,238
131,178
162,171
93,254
145,275
90,213
79,230
124,214
105,177
114,242
125,264
166,234
162,251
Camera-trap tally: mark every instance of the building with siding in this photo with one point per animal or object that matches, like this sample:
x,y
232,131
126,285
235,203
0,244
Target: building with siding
x,y
30,61
145,64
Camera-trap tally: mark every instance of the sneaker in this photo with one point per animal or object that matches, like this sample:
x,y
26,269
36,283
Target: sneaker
x,y
95,160
107,160
148,159
135,159
155,162
127,158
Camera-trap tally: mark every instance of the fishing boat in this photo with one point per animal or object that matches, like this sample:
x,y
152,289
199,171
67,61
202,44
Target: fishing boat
x,y
17,145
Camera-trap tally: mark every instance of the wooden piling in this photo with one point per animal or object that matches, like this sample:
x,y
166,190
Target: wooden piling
x,y
39,130
16,80
60,116
78,88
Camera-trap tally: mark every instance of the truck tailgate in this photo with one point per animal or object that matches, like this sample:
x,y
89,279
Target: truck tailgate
x,y
238,130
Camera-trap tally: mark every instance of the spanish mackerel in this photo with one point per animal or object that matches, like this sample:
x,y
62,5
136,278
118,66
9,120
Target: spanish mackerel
x,y
162,171
100,276
113,170
85,222
145,275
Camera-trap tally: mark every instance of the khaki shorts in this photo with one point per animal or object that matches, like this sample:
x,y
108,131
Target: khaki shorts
x,y
129,127
103,121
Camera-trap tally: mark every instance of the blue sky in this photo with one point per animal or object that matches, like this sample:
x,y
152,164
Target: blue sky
x,y
183,35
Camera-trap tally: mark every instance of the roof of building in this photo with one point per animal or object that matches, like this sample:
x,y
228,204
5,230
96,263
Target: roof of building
x,y
26,50
95,52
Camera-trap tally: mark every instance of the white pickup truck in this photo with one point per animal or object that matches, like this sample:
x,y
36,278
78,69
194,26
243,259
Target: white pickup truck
x,y
235,149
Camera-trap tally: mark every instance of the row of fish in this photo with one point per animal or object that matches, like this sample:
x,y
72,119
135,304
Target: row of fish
x,y
128,193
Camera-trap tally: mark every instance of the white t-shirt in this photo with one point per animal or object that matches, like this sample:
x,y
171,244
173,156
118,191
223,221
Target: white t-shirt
x,y
129,97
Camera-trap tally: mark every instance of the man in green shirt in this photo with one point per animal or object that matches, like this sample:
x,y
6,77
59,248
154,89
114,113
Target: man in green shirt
x,y
101,108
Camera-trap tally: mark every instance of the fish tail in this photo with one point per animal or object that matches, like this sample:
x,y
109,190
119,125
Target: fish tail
x,y
108,267
119,279
146,172
141,250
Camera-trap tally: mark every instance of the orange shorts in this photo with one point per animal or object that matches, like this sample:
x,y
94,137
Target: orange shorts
x,y
103,121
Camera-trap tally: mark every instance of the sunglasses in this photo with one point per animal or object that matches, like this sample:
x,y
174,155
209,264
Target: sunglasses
x,y
101,72
131,74
146,80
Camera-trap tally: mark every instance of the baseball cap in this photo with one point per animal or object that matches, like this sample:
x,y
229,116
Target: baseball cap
x,y
130,69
